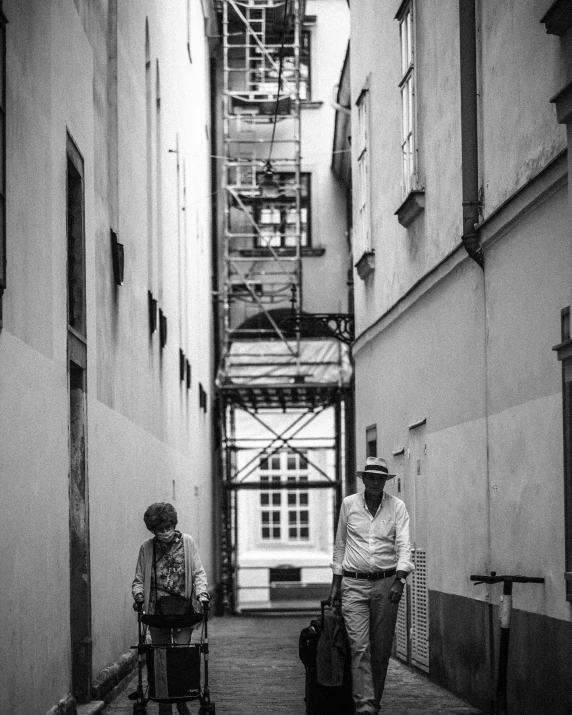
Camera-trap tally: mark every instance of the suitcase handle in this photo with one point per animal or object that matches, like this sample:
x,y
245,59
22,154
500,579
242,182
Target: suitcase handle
x,y
323,603
326,602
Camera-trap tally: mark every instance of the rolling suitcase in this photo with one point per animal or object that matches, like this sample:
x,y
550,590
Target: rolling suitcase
x,y
323,699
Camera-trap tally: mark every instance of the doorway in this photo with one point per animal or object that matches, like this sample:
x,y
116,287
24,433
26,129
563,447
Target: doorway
x,y
417,505
80,591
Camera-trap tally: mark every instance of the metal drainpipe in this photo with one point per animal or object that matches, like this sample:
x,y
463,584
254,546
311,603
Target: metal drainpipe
x,y
469,144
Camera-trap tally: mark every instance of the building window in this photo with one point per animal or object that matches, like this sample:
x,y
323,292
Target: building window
x,y
271,508
285,514
306,66
363,224
276,217
298,499
407,89
264,72
371,441
564,351
2,157
76,241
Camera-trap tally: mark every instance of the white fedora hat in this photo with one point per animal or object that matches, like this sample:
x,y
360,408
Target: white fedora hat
x,y
375,467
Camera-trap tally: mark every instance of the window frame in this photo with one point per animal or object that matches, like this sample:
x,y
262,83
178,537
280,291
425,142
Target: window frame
x,y
564,353
371,440
363,174
284,510
272,509
306,53
269,204
76,324
408,97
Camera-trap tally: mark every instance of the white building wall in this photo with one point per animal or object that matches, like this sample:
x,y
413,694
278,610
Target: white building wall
x,y
329,36
468,353
147,439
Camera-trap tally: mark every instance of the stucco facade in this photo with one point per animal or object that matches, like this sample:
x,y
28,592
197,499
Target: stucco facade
x,y
128,84
325,277
454,366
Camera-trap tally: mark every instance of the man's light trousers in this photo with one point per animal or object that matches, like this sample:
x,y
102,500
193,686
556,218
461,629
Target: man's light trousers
x,y
369,618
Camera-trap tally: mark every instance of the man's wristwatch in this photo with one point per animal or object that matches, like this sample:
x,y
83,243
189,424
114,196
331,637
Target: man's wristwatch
x,y
401,579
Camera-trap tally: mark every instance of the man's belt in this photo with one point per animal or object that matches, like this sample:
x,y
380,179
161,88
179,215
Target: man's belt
x,y
370,576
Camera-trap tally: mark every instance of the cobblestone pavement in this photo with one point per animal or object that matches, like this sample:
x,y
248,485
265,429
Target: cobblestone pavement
x,y
254,669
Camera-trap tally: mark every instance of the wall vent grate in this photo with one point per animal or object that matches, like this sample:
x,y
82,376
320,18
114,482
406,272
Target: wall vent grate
x,y
420,613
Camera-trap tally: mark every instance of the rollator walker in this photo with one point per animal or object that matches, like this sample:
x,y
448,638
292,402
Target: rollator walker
x,y
173,670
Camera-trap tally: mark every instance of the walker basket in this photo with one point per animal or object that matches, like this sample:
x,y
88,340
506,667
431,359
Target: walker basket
x,y
174,672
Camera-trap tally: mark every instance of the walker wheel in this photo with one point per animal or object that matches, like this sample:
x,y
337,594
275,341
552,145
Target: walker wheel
x,y
207,709
139,709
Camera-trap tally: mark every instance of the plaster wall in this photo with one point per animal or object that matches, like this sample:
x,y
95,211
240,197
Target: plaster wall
x,y
521,69
527,286
34,394
34,513
473,356
403,255
466,351
429,365
147,439
325,277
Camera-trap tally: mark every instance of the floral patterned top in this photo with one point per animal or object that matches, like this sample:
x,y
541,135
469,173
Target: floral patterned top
x,y
170,570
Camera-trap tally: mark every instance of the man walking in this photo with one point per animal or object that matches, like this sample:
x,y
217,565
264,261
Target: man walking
x,y
372,558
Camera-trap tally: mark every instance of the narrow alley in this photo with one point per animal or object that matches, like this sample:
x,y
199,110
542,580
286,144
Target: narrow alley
x,y
254,669
286,312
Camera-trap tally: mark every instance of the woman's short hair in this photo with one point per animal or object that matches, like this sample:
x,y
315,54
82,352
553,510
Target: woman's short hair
x,y
160,514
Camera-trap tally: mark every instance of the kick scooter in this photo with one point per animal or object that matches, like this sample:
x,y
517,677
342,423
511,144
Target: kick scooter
x,y
505,610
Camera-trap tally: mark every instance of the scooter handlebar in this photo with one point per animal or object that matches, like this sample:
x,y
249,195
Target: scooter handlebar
x,y
493,578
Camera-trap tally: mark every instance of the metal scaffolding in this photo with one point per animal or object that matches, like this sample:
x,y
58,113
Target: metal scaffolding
x,y
273,356
261,172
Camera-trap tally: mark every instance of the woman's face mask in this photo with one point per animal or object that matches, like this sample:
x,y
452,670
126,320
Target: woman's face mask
x,y
165,533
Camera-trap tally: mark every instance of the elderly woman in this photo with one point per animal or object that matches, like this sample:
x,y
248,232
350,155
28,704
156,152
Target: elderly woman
x,y
168,565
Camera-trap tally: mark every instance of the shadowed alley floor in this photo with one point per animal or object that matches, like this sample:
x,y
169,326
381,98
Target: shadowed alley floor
x,y
254,669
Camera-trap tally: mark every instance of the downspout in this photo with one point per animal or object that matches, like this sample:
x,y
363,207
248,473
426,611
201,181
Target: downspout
x,y
217,412
470,238
469,142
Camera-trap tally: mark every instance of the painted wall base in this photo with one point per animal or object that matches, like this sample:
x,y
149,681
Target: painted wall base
x,y
539,667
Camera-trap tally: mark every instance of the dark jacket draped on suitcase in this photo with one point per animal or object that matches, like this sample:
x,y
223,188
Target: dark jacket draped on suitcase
x,y
333,651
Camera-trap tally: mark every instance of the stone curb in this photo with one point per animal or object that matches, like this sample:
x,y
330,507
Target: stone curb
x,y
111,676
104,688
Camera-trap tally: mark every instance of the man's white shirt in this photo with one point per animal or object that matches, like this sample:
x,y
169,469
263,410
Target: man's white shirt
x,y
366,542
